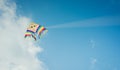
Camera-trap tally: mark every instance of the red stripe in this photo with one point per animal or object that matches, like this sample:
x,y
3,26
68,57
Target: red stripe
x,y
41,31
27,35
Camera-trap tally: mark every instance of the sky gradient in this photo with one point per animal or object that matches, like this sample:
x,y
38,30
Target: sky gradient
x,y
76,48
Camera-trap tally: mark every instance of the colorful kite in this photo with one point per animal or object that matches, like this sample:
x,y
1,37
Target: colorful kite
x,y
35,31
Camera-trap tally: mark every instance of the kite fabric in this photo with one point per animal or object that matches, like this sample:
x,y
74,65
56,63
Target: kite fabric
x,y
35,31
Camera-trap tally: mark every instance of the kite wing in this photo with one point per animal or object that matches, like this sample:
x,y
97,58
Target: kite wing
x,y
30,34
41,31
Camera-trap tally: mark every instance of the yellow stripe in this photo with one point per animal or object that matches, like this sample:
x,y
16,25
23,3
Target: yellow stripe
x,y
27,33
40,30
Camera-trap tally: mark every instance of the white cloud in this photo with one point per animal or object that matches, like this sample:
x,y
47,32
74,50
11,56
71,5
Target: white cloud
x,y
15,52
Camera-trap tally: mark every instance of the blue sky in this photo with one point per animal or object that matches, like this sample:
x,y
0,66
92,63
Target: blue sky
x,y
76,48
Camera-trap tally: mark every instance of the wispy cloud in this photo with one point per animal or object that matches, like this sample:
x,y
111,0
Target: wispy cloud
x,y
15,52
92,43
93,63
92,22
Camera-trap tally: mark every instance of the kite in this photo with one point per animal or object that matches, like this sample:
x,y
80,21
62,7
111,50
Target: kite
x,y
35,31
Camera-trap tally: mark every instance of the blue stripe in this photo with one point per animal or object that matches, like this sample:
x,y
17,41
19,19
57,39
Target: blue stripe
x,y
38,28
30,31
